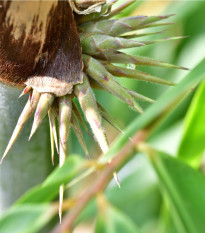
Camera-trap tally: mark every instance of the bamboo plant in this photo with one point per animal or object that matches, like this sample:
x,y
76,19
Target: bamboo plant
x,y
102,61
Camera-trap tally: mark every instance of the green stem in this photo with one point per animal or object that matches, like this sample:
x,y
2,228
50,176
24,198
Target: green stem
x,y
100,182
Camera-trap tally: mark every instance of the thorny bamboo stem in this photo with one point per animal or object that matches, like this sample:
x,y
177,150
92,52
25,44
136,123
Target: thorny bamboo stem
x,y
101,182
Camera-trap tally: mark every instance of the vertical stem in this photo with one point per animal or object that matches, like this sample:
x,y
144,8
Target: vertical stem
x,y
28,163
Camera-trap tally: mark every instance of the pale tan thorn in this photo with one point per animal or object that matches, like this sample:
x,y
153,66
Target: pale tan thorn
x,y
61,193
44,104
33,130
26,90
98,130
52,145
79,134
106,116
116,179
65,111
51,138
80,118
25,115
51,116
88,104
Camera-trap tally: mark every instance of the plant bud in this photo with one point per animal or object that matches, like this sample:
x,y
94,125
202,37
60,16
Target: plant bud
x,y
86,6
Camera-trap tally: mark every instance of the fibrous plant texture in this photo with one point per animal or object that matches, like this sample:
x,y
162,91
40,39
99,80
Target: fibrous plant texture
x,y
64,52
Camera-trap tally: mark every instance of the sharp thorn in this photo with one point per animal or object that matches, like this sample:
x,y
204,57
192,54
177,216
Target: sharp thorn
x,y
25,115
88,104
52,142
44,104
61,191
33,130
26,90
14,136
65,110
116,179
106,116
78,132
80,118
52,124
52,159
3,158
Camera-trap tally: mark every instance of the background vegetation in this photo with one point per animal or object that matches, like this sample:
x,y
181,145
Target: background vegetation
x,y
161,173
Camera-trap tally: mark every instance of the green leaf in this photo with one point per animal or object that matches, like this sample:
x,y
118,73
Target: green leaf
x,y
139,187
49,189
166,102
193,140
184,188
33,211
26,218
112,220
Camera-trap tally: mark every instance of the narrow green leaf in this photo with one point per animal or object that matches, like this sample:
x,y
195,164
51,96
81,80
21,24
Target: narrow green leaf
x,y
49,189
193,140
167,100
112,220
32,211
26,218
184,188
140,190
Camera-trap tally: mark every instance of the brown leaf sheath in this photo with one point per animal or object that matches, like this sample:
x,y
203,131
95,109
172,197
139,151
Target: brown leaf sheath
x,y
39,46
